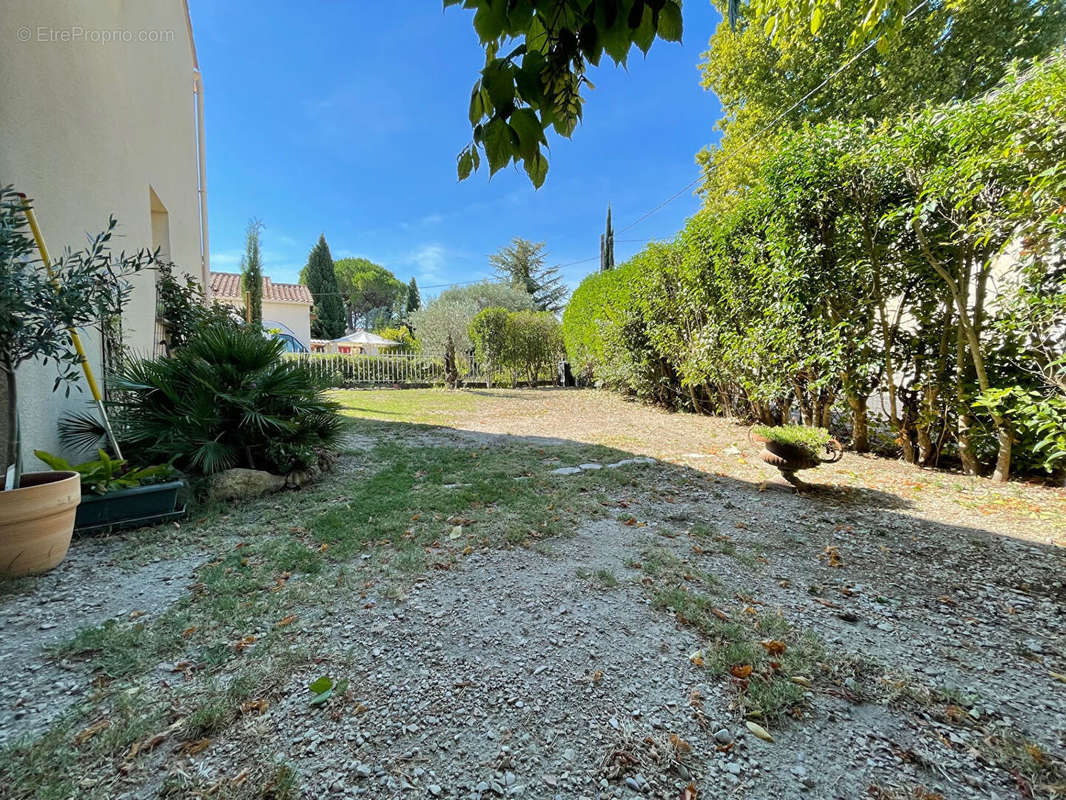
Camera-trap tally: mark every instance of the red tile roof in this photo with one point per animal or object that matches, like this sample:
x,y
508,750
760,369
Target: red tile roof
x,y
227,286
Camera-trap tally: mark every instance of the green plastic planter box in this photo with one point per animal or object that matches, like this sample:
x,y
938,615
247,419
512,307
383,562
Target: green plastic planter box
x,y
130,508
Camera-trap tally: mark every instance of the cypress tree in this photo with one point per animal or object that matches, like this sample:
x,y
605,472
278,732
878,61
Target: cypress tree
x,y
252,274
328,317
414,299
607,245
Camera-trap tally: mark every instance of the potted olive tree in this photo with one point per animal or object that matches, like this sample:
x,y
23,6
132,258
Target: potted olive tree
x,y
37,311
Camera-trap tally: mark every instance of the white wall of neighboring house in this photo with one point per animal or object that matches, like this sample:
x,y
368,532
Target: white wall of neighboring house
x,y
98,117
295,316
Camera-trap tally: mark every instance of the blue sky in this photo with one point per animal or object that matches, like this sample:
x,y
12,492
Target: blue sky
x,y
345,119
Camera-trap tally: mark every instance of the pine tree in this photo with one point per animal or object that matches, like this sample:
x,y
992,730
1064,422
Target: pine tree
x,y
607,245
328,317
414,299
252,274
522,265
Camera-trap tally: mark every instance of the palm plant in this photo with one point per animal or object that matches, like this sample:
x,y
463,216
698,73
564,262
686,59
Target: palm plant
x,y
227,399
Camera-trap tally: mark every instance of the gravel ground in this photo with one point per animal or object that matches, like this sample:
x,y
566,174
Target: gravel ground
x,y
517,673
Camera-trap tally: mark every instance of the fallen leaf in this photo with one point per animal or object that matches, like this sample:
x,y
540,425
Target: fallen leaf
x,y
720,614
833,556
696,658
192,748
1057,676
759,731
241,777
135,614
189,631
286,621
91,731
741,671
597,676
457,531
689,792
259,706
773,646
800,680
244,643
680,745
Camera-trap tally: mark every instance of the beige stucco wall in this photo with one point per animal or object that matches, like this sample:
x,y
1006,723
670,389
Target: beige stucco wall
x,y
94,126
296,316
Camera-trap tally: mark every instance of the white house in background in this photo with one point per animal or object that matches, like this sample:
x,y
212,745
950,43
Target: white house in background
x,y
91,128
286,306
359,342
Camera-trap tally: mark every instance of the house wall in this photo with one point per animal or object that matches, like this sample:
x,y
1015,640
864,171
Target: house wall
x,y
96,125
296,316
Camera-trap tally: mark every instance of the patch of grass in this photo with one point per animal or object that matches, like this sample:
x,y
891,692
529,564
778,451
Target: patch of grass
x,y
406,502
606,578
603,577
405,405
759,654
813,440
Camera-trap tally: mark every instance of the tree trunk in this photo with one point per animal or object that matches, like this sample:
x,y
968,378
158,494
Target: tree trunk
x,y
970,329
8,402
965,419
860,430
1004,435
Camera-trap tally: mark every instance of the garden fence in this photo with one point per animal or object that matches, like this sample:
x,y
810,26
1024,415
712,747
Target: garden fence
x,y
342,370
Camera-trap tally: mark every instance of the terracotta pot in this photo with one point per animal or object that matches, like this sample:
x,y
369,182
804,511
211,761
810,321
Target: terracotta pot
x,y
36,522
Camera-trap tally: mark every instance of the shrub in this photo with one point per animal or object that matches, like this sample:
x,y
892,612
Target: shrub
x,y
226,399
491,335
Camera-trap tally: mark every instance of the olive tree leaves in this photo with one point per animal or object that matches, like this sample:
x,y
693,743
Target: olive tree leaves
x,y
538,83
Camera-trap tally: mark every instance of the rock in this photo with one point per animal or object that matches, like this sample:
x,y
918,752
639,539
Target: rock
x,y
242,484
723,736
566,471
592,465
434,790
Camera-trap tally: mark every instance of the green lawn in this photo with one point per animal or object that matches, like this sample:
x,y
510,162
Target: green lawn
x,y
423,406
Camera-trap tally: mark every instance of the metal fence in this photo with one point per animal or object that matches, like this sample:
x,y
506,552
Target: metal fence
x,y
340,370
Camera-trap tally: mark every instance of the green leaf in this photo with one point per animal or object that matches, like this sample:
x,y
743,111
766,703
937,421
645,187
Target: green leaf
x,y
530,133
499,146
320,699
465,165
644,34
323,684
55,462
497,79
536,168
490,19
670,25
617,41
817,18
528,79
477,104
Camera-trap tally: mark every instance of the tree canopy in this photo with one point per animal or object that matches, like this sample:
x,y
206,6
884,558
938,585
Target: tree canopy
x,y
522,264
373,296
452,311
947,51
